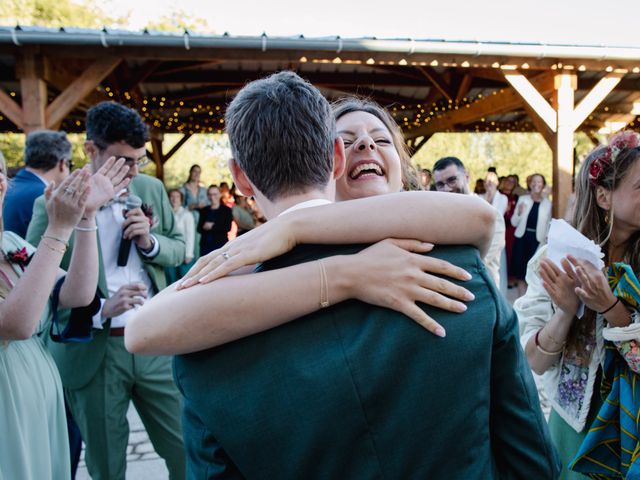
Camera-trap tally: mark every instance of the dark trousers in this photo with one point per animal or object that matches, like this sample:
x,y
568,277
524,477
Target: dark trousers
x,y
75,441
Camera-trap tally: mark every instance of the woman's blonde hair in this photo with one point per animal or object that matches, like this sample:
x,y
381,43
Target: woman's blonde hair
x,y
345,105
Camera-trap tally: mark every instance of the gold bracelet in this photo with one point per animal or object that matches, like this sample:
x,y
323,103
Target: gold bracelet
x,y
86,229
543,350
324,286
51,247
50,237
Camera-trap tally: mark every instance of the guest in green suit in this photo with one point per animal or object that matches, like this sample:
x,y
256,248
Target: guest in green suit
x,y
352,391
101,377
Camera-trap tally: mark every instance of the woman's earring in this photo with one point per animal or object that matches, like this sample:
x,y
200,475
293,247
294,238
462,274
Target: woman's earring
x,y
606,217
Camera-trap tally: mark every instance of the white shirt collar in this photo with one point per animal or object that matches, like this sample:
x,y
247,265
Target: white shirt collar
x,y
316,202
42,179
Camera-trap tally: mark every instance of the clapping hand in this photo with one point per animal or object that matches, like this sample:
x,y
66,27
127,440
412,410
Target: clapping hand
x,y
65,204
106,182
560,286
594,289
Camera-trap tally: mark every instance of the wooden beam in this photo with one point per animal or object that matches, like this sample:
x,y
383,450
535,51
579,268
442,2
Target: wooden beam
x,y
563,100
464,87
134,77
540,125
505,101
420,144
532,97
79,89
156,154
60,75
174,67
176,147
597,94
437,81
11,109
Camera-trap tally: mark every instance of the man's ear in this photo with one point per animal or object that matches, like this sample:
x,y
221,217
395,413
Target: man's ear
x,y
90,148
240,179
603,198
61,164
339,158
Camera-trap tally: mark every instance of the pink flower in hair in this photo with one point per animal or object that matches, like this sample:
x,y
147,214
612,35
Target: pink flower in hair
x,y
621,141
624,139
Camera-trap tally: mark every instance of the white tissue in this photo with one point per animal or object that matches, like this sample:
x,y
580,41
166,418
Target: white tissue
x,y
565,240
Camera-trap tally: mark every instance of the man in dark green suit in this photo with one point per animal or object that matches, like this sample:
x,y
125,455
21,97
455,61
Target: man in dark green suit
x,y
354,390
100,377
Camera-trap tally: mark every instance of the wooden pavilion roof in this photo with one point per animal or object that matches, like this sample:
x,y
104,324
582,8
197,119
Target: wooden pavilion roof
x,y
181,83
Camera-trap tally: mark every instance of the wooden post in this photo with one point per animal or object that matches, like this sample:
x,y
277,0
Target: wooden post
x,y
156,153
11,109
563,100
34,91
558,123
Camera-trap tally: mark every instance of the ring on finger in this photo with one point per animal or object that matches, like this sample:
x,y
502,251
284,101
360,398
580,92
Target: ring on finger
x,y
70,190
226,255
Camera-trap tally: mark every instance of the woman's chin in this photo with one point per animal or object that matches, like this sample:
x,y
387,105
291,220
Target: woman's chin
x,y
363,190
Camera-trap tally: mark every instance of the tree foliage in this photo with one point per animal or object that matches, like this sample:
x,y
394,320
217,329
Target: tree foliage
x,y
519,153
56,13
210,151
178,21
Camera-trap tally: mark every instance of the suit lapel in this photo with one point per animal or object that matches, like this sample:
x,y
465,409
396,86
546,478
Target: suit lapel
x,y
143,194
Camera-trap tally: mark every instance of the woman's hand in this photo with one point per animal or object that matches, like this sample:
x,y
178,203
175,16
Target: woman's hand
x,y
594,289
258,245
65,204
106,182
393,274
560,286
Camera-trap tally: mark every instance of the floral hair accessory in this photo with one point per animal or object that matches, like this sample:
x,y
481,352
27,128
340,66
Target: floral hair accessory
x,y
601,164
19,257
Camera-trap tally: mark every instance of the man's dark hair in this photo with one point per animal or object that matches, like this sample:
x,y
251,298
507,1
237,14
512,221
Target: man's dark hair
x,y
444,162
110,122
43,149
282,134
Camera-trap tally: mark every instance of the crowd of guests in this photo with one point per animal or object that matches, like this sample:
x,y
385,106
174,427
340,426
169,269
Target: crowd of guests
x,y
306,341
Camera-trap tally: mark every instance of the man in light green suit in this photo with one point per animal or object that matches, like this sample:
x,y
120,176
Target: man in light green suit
x,y
100,377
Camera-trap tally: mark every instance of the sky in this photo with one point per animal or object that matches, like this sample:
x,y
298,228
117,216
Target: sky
x,y
591,22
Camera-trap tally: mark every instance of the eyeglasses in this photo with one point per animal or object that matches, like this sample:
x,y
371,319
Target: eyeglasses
x,y
69,163
451,182
140,162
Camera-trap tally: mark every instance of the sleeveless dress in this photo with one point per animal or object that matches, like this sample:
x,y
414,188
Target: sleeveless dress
x,y
525,247
33,427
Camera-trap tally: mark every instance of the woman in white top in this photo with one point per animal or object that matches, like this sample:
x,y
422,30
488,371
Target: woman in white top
x,y
531,218
492,195
569,350
186,225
